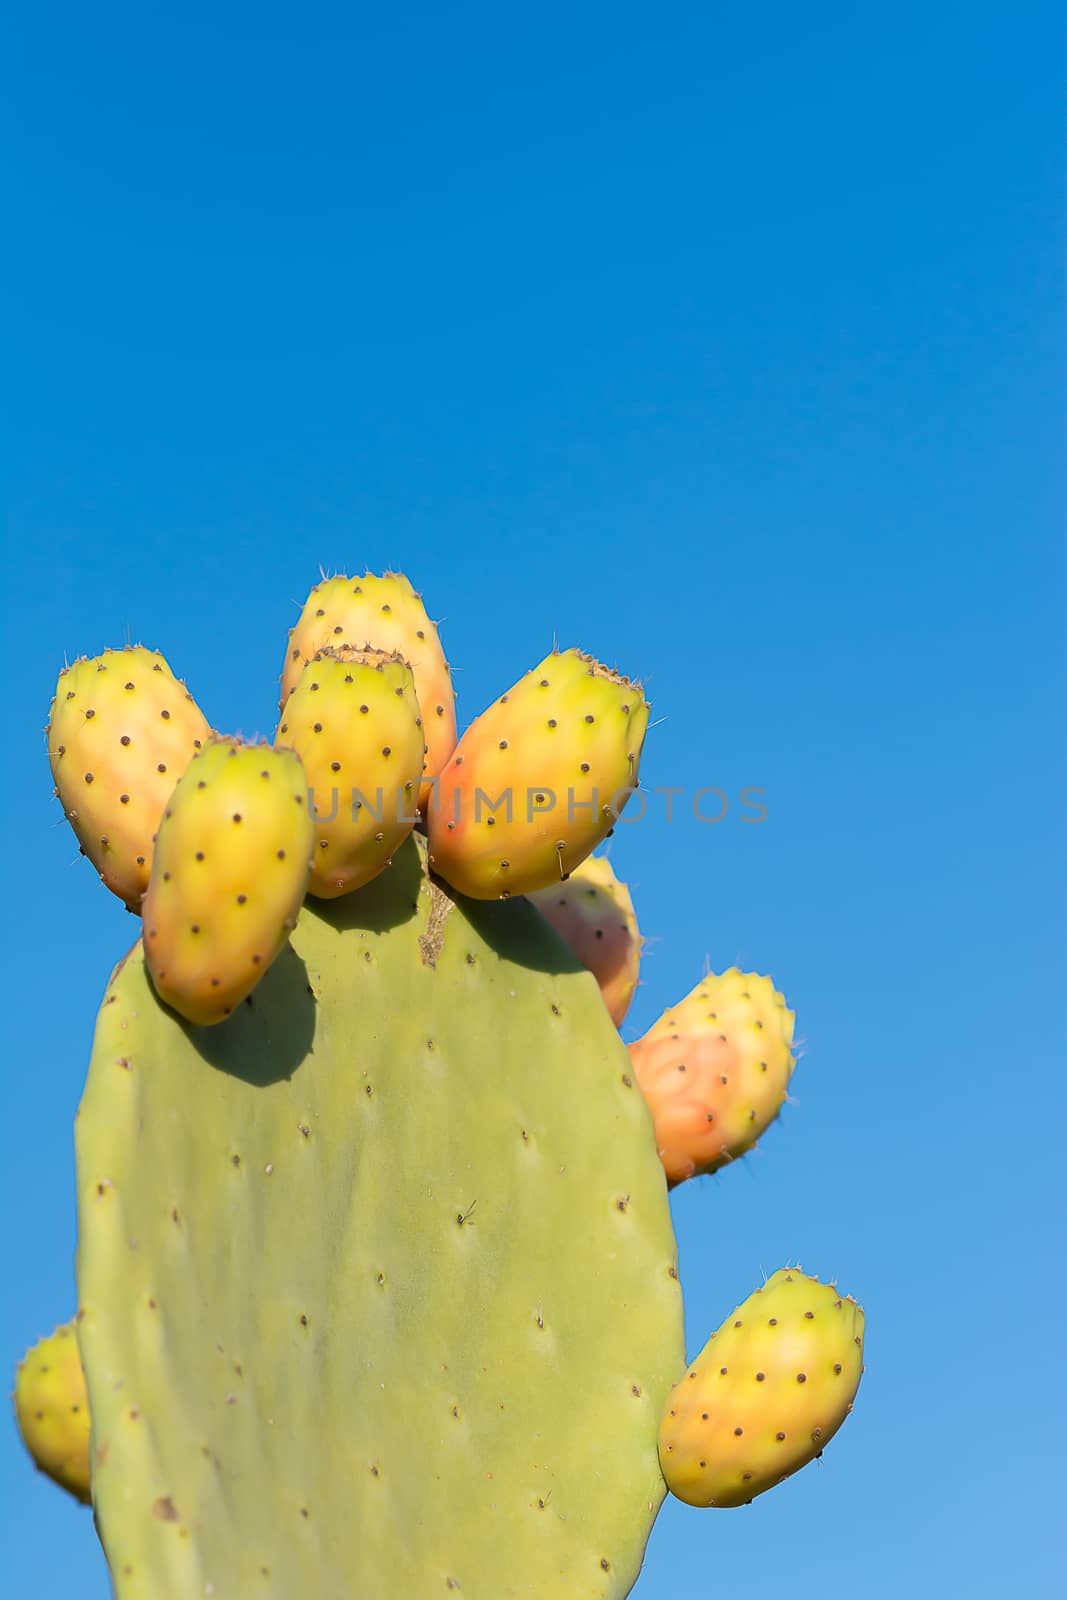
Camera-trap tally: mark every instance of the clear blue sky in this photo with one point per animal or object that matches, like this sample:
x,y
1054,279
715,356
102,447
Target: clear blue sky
x,y
727,343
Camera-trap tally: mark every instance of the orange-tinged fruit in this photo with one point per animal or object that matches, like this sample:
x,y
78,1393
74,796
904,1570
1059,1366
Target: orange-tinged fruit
x,y
715,1071
231,868
593,913
122,731
765,1395
538,780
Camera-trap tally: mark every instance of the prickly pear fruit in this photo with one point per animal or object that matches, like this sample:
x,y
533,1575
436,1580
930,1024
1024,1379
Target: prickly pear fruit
x,y
715,1070
387,613
538,780
52,1409
231,869
353,720
594,914
122,731
769,1389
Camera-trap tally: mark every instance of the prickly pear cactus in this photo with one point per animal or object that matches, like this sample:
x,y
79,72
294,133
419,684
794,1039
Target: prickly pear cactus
x,y
377,1282
377,1291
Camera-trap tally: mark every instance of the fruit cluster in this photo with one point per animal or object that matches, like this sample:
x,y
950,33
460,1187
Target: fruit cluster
x,y
234,853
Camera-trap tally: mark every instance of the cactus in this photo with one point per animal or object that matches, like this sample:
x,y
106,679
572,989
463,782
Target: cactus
x,y
386,613
538,780
397,1300
377,1288
353,720
593,912
230,870
766,1394
715,1069
52,1410
122,730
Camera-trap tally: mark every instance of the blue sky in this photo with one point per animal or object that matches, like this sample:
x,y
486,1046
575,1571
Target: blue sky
x,y
725,343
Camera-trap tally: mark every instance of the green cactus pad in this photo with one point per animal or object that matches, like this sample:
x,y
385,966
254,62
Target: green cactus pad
x,y
377,1280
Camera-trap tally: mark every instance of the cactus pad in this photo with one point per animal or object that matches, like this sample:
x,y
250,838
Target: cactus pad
x,y
377,1281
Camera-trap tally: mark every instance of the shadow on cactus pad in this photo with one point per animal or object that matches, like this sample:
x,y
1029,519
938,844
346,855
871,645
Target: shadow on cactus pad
x,y
270,1033
386,902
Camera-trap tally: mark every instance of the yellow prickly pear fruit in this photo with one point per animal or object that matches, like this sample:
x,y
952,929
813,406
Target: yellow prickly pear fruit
x,y
122,731
538,780
715,1070
387,613
765,1395
594,914
353,719
52,1409
231,869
